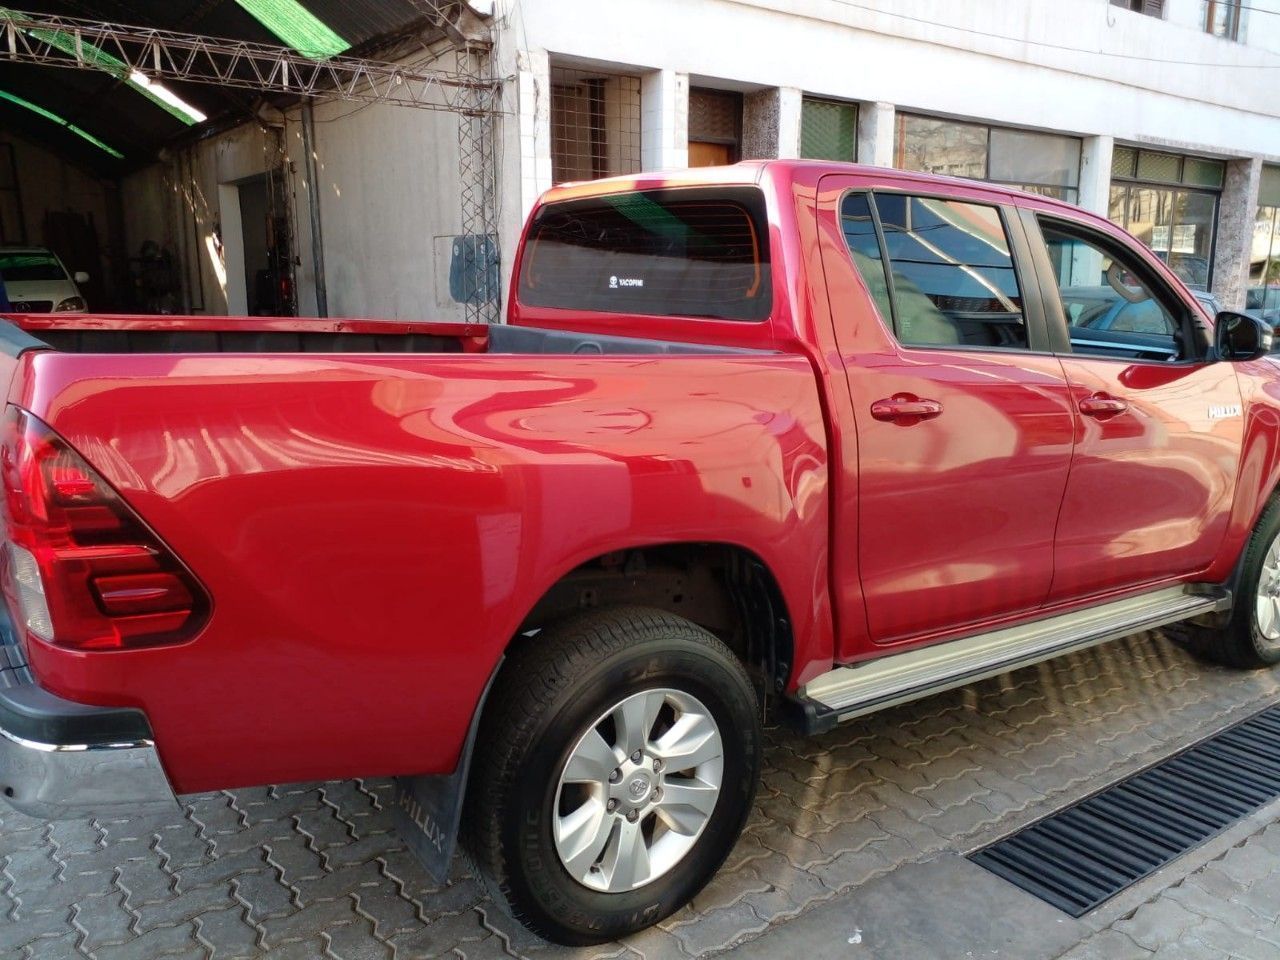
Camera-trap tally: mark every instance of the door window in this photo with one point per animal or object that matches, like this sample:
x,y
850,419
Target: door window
x,y
859,229
951,279
1111,309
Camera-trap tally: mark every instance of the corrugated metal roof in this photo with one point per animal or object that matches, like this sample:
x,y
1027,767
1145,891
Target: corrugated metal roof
x,y
117,114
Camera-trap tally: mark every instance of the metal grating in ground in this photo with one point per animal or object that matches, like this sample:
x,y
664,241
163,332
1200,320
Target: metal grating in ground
x,y
1084,855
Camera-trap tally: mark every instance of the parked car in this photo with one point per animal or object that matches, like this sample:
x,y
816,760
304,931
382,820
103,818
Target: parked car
x,y
1100,308
36,281
787,435
1264,301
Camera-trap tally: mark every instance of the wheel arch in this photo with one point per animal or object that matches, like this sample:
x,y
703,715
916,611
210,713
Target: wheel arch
x,y
725,588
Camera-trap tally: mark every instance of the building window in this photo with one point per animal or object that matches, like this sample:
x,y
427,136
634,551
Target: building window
x,y
595,124
1264,262
1041,163
715,128
1170,203
1152,8
1222,18
828,129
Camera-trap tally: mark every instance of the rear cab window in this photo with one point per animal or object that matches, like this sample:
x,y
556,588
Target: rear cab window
x,y
688,252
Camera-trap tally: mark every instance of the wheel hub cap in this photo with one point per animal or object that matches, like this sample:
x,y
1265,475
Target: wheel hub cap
x,y
1267,604
637,790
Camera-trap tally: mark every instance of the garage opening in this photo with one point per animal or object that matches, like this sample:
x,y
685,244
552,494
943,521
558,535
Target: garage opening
x,y
231,157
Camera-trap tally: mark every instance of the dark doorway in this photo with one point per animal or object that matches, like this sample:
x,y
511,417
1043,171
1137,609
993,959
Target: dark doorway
x,y
266,238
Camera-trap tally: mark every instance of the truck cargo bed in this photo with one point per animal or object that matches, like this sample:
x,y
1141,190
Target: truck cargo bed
x,y
109,333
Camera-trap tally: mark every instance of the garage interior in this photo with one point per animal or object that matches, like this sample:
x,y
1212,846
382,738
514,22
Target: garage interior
x,y
103,123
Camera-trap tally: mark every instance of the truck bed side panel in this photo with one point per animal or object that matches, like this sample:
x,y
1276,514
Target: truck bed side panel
x,y
373,529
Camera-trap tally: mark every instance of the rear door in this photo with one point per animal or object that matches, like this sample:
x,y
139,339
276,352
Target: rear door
x,y
1158,426
963,420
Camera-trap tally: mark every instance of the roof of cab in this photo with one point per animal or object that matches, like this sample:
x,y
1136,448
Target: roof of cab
x,y
750,172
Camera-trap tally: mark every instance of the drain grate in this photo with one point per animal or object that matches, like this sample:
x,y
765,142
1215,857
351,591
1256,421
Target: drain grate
x,y
1084,855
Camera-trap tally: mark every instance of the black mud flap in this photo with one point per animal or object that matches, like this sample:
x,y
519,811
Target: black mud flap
x,y
428,810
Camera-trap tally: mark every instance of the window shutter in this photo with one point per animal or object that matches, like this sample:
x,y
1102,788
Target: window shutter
x,y
1153,8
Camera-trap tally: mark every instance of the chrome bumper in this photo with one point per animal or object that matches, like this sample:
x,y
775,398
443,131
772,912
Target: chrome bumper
x,y
61,760
65,780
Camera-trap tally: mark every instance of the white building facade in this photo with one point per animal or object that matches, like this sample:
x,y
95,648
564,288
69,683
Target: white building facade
x,y
1163,115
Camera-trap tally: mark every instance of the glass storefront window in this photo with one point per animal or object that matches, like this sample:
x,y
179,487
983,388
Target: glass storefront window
x,y
828,129
1177,224
941,146
1019,156
1204,173
1173,209
1042,163
1123,161
1264,263
1164,167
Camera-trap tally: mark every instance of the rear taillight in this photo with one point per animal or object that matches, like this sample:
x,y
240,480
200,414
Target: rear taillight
x,y
80,568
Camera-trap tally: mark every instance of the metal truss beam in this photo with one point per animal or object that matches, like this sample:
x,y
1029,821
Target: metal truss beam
x,y
168,55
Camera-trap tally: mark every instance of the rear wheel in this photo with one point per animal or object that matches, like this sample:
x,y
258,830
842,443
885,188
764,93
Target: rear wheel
x,y
613,773
1251,637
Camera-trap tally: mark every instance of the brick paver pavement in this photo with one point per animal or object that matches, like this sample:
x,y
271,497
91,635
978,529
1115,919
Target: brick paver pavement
x,y
1229,908
315,870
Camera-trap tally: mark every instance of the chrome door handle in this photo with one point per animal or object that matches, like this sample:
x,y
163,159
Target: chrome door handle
x,y
1102,405
905,406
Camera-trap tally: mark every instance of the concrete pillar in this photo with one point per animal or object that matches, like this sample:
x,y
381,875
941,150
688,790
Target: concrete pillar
x,y
1095,174
664,120
875,134
790,105
760,124
771,123
1233,245
533,93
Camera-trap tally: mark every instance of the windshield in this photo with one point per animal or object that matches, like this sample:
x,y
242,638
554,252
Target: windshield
x,y
30,265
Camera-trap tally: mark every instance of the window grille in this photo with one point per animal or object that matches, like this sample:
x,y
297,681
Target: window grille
x,y
595,124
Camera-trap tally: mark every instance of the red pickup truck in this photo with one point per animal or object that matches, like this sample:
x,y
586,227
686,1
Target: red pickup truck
x,y
804,434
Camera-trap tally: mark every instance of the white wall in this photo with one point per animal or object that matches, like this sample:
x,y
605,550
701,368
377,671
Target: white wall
x,y
949,57
389,208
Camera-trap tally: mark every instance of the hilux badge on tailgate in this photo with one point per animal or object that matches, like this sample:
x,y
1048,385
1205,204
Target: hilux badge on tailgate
x,y
1220,411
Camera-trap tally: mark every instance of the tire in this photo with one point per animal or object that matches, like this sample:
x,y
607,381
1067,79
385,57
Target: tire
x,y
1250,639
567,695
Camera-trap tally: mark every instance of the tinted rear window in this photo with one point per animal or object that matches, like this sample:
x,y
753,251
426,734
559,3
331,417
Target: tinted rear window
x,y
669,253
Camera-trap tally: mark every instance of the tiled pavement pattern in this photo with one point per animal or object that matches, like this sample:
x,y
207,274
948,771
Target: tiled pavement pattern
x,y
1228,908
314,870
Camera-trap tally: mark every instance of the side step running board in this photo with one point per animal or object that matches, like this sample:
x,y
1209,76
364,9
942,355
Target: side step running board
x,y
847,692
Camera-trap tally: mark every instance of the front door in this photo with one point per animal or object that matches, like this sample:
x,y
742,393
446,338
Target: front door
x,y
964,426
1158,426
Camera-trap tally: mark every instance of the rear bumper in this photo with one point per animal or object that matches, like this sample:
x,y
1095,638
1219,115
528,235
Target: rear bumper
x,y
61,760
61,781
